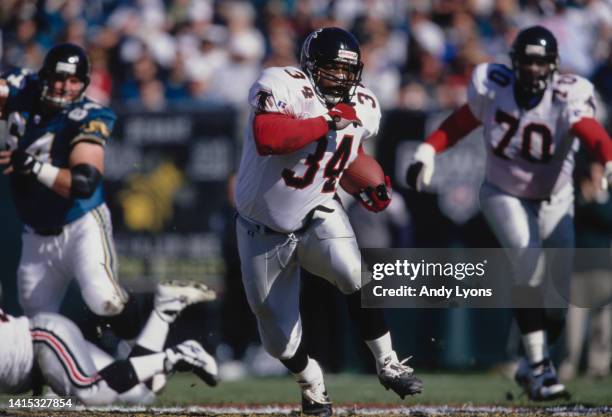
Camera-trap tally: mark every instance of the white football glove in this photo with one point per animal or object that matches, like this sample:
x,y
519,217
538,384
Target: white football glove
x,y
606,180
421,169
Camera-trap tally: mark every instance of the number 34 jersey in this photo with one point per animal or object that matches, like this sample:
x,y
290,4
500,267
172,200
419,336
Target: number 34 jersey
x,y
280,190
530,153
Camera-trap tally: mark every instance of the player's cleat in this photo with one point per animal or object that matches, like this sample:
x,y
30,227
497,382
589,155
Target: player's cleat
x,y
540,381
172,297
315,401
398,377
190,356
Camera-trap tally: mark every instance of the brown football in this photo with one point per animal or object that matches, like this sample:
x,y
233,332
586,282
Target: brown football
x,y
363,172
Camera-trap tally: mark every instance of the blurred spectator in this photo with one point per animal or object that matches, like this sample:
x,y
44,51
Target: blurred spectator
x,y
101,84
417,55
143,70
282,44
207,61
152,96
177,81
246,49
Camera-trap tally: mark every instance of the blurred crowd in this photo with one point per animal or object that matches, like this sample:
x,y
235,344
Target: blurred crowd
x,y
418,54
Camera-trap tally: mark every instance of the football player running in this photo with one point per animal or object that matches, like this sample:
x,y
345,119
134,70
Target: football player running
x,y
54,157
531,117
48,349
306,126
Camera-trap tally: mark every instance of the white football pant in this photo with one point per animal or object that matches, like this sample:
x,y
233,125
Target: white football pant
x,y
85,251
271,264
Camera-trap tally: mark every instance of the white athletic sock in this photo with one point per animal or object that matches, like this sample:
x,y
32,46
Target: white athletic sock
x,y
535,346
310,374
153,335
381,348
148,365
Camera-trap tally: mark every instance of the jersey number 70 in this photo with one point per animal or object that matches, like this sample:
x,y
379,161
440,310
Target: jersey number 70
x,y
512,124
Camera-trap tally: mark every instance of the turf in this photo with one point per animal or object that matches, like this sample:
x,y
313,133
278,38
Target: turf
x,y
347,389
446,394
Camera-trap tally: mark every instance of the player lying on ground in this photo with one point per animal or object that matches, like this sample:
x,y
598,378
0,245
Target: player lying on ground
x,y
531,115
306,126
49,349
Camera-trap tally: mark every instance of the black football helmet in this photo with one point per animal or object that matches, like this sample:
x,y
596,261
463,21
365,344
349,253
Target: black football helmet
x,y
535,58
62,61
332,60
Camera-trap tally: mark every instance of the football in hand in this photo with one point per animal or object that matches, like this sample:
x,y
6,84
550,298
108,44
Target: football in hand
x,y
363,172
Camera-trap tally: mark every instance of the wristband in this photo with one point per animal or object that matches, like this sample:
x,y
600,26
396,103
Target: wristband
x,y
45,173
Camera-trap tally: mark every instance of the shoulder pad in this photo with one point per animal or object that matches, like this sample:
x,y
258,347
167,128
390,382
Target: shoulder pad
x,y
577,95
19,77
276,90
571,87
488,77
95,122
87,110
368,109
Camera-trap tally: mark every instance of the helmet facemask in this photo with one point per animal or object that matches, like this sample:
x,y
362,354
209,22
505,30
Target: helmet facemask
x,y
335,81
533,72
50,96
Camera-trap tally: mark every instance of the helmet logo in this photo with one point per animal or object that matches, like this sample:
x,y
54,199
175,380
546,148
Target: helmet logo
x,y
350,56
65,67
535,50
306,47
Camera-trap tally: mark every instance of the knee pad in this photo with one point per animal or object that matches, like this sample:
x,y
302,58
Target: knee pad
x,y
110,304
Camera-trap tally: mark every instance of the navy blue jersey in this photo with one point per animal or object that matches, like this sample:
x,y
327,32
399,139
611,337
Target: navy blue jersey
x,y
50,137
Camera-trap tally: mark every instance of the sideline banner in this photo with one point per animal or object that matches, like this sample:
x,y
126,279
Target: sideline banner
x,y
166,184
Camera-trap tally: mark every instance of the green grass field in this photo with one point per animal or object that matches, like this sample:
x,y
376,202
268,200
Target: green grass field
x,y
446,394
347,389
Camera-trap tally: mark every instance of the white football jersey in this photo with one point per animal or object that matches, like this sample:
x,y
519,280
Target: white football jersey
x,y
530,153
16,354
279,190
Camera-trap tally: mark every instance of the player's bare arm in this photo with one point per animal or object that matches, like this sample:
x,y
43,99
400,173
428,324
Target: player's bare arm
x,y
85,173
79,180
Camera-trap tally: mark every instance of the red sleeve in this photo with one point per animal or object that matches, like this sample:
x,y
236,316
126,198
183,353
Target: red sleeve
x,y
456,126
594,137
279,134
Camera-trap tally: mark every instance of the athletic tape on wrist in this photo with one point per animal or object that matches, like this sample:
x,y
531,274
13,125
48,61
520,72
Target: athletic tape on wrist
x,y
47,174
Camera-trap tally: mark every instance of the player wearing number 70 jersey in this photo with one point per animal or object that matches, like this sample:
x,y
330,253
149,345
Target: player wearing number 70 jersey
x,y
531,117
306,127
54,157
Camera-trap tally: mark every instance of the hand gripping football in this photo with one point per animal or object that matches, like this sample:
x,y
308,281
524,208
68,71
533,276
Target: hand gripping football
x,y
362,173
